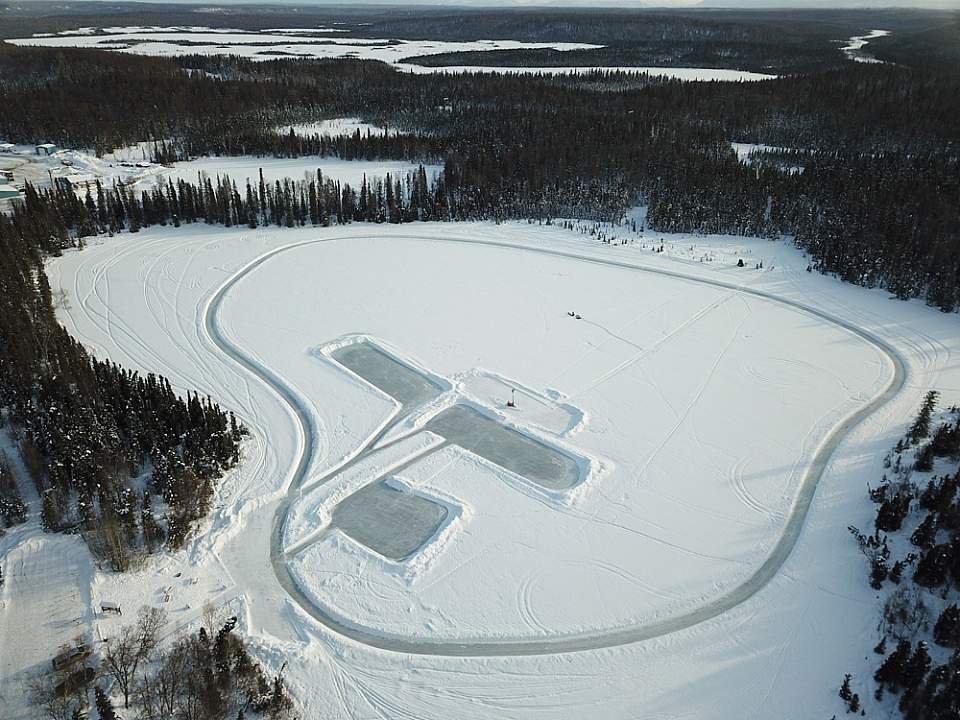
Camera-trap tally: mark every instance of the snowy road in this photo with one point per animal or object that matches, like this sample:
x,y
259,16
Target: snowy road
x,y
563,643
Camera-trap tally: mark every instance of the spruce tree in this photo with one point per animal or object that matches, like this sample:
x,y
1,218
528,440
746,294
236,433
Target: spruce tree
x,y
104,706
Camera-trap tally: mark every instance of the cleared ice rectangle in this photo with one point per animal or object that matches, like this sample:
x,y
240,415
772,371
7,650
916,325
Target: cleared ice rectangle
x,y
384,372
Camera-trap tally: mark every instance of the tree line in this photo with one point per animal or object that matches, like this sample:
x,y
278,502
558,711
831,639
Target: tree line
x,y
13,511
89,427
206,675
927,577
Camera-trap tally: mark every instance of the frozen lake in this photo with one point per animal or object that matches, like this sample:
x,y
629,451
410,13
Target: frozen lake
x,y
270,45
706,428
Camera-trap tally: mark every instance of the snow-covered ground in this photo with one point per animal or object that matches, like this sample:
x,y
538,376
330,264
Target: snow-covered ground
x,y
748,152
138,152
130,165
124,165
243,168
700,404
268,45
336,127
744,151
45,596
677,507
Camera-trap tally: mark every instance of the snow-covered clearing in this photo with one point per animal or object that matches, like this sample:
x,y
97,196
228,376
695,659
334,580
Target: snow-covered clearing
x,y
138,152
744,151
45,596
268,45
748,152
45,602
131,165
336,127
124,165
700,406
243,168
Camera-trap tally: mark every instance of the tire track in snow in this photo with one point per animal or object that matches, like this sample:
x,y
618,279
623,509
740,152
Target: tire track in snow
x,y
743,494
525,602
561,643
645,352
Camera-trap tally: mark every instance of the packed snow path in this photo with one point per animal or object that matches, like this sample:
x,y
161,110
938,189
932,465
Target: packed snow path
x,y
566,642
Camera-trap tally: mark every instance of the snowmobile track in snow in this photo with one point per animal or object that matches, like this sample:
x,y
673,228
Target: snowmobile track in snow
x,y
561,643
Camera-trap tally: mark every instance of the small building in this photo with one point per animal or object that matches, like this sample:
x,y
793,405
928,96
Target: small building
x,y
71,656
80,182
108,606
7,191
46,149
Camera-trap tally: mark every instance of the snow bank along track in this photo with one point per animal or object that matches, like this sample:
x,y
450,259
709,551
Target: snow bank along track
x,y
566,642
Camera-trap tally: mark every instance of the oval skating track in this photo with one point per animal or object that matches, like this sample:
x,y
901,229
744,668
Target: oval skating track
x,y
563,643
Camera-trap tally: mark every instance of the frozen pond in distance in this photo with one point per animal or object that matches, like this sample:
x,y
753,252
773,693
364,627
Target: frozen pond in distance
x,y
391,522
397,380
280,43
503,446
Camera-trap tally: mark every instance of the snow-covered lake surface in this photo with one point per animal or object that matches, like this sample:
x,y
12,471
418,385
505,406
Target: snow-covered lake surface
x,y
853,50
670,512
267,45
698,407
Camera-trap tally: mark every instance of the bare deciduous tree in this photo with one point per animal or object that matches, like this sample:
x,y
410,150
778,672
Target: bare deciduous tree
x,y
127,651
160,692
905,613
211,618
52,704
